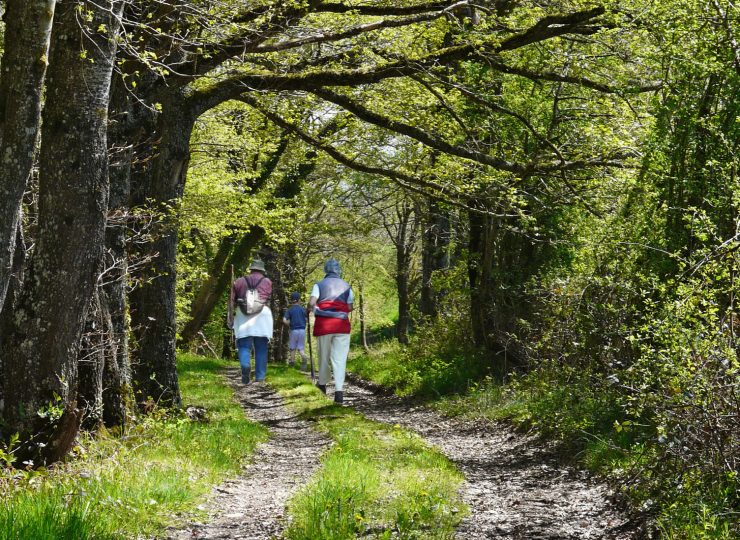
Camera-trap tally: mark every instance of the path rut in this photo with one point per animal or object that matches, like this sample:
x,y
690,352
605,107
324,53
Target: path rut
x,y
252,506
516,487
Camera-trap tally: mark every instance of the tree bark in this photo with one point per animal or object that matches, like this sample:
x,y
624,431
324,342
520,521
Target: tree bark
x,y
405,242
42,345
479,277
435,241
402,288
153,301
24,61
95,350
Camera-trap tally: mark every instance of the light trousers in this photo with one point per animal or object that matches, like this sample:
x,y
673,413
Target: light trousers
x,y
333,350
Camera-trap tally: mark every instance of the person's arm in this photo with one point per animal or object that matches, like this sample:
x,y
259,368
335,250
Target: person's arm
x,y
351,300
286,319
314,298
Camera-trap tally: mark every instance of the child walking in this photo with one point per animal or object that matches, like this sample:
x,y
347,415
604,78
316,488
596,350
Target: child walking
x,y
295,318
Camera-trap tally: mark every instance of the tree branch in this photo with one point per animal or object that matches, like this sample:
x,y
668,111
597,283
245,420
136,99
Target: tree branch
x,y
427,188
431,141
359,29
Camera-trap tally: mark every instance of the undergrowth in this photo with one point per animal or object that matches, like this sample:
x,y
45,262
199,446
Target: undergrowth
x,y
377,481
435,363
135,485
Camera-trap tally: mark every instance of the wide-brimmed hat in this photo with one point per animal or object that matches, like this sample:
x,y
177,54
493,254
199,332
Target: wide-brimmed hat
x,y
257,264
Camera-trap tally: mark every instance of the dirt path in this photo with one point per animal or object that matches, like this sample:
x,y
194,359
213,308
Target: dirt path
x,y
253,505
515,488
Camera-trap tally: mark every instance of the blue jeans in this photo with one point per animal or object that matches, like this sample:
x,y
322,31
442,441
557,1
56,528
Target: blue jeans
x,y
244,349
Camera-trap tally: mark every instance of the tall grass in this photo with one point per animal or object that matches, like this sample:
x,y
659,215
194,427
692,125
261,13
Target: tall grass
x,y
135,485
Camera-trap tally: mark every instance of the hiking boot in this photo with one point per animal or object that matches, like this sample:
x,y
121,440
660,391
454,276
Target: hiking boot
x,y
338,397
245,375
322,387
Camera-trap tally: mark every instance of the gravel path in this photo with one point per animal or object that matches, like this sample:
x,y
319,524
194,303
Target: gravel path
x,y
253,505
516,489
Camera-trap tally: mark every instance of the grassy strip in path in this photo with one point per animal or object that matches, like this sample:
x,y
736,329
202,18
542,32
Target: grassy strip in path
x,y
377,481
133,486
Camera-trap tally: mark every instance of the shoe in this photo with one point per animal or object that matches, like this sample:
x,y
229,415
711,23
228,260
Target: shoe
x,y
245,375
322,387
338,397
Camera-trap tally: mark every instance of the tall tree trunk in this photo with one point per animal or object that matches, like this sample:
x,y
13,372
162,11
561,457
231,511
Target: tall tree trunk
x,y
153,301
116,393
435,242
479,276
27,32
403,262
95,346
6,316
42,345
404,241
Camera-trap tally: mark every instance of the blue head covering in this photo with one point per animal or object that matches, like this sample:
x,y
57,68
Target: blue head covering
x,y
332,268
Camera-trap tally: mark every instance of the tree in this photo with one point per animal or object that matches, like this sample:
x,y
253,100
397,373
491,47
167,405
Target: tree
x,y
264,53
23,71
41,339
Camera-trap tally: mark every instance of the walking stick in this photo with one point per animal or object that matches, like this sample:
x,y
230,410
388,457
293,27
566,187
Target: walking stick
x,y
310,348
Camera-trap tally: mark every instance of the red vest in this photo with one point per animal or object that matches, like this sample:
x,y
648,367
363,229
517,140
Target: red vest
x,y
332,308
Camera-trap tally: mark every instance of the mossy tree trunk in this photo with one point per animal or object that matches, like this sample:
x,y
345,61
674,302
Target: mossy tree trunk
x,y
40,350
27,33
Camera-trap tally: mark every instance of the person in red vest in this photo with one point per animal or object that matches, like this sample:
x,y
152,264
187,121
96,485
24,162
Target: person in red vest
x,y
331,302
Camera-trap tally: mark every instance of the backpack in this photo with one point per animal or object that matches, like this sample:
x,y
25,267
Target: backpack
x,y
251,303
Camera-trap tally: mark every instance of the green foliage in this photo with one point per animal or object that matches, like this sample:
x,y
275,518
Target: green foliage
x,y
436,362
134,485
377,480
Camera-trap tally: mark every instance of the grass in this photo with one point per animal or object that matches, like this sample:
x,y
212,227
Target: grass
x,y
417,370
377,481
135,485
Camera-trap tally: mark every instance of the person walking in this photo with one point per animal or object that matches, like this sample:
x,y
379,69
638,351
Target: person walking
x,y
295,319
331,302
251,319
